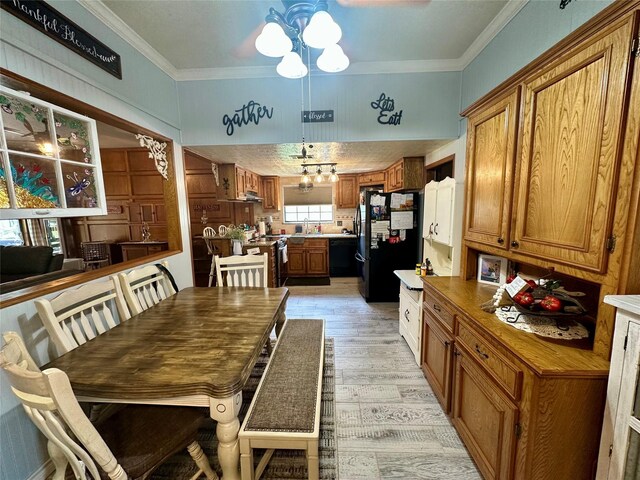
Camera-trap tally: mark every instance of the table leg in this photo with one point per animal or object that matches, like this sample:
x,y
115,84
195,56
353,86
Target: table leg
x,y
225,411
282,317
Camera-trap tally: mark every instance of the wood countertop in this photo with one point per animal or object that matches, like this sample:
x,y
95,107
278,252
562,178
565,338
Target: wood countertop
x,y
544,356
200,341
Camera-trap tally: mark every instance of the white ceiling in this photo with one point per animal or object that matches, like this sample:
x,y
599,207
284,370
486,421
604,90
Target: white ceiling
x,y
197,39
351,157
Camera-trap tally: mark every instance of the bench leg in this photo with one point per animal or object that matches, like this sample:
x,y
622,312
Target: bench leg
x,y
313,462
246,465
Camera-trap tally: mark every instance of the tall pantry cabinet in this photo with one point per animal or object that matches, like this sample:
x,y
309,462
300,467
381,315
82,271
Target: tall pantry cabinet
x,y
552,185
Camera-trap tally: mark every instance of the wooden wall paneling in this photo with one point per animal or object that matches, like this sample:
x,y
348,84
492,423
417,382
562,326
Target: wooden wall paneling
x,y
113,160
201,184
111,232
139,161
116,185
145,184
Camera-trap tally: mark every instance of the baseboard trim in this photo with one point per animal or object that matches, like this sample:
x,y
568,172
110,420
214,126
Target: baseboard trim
x,y
44,471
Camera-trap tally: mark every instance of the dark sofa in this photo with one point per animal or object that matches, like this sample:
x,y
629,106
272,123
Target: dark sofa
x,y
22,266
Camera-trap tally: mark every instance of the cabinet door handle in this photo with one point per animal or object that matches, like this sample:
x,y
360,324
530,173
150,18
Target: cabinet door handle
x,y
42,212
431,229
406,314
480,352
515,244
500,240
447,343
435,229
436,307
457,353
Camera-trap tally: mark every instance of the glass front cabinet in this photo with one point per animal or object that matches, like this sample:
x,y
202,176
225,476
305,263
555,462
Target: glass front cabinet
x,y
619,457
50,160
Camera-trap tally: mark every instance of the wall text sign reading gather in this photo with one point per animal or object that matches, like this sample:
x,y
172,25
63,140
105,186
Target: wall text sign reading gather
x,y
251,112
386,106
49,21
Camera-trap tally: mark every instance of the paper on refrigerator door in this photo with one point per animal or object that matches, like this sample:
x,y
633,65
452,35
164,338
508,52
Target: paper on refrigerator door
x,y
377,200
402,220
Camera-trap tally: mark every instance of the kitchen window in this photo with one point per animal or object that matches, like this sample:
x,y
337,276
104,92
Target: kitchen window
x,y
314,205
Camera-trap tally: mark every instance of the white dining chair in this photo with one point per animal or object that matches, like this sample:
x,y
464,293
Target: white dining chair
x,y
130,445
208,234
145,287
242,270
76,316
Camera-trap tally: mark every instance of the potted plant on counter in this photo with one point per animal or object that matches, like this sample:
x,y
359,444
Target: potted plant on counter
x,y
237,236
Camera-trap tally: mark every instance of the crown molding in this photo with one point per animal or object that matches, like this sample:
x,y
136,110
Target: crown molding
x,y
504,16
118,26
361,68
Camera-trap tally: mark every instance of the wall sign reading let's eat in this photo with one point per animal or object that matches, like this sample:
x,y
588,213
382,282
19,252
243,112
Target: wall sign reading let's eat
x,y
49,21
386,110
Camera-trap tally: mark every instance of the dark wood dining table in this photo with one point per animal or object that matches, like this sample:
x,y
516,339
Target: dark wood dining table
x,y
195,348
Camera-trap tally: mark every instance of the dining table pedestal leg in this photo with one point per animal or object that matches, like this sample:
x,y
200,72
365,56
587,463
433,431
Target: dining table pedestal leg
x,y
225,411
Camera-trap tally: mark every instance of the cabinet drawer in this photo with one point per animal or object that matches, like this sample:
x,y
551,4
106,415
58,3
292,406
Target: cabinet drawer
x,y
315,243
439,309
507,375
413,295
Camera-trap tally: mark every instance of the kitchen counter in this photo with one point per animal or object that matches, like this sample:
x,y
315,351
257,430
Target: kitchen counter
x,y
410,279
315,235
262,242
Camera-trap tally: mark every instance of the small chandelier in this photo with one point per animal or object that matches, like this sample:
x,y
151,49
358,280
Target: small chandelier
x,y
331,168
305,23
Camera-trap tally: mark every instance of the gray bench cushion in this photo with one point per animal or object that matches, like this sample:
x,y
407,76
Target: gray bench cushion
x,y
286,399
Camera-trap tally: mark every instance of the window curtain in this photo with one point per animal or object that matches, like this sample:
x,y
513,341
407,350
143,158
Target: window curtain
x,y
37,232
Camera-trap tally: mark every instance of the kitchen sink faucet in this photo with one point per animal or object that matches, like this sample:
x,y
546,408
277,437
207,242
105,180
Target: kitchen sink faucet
x,y
306,226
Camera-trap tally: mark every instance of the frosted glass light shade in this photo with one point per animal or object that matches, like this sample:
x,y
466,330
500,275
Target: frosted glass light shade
x,y
319,175
333,59
273,42
321,31
291,66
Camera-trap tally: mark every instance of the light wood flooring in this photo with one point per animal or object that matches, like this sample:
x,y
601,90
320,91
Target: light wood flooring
x,y
389,424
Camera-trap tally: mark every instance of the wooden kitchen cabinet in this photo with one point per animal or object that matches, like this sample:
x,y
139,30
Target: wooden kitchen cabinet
x,y
372,178
491,146
406,174
437,358
235,182
270,193
347,191
485,419
308,259
525,407
569,155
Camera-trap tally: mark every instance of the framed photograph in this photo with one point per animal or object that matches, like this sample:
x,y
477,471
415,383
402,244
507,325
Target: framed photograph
x,y
492,270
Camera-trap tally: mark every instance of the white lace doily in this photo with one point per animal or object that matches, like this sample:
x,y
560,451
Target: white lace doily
x,y
543,326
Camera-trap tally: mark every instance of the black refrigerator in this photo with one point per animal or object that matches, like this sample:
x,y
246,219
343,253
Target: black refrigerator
x,y
387,226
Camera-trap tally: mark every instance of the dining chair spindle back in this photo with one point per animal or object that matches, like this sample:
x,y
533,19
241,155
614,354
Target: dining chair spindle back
x,y
242,270
132,444
145,287
77,316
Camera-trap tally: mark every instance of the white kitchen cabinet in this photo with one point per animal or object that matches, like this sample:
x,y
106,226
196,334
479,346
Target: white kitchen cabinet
x,y
410,311
49,160
439,211
619,457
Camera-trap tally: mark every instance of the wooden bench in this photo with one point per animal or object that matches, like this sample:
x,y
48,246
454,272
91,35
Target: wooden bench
x,y
285,411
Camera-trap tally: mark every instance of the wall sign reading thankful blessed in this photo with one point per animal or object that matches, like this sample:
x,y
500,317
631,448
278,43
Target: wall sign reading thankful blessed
x,y
386,107
49,21
251,112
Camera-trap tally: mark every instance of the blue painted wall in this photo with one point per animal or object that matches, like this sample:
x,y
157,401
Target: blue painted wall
x,y
429,103
144,88
536,28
